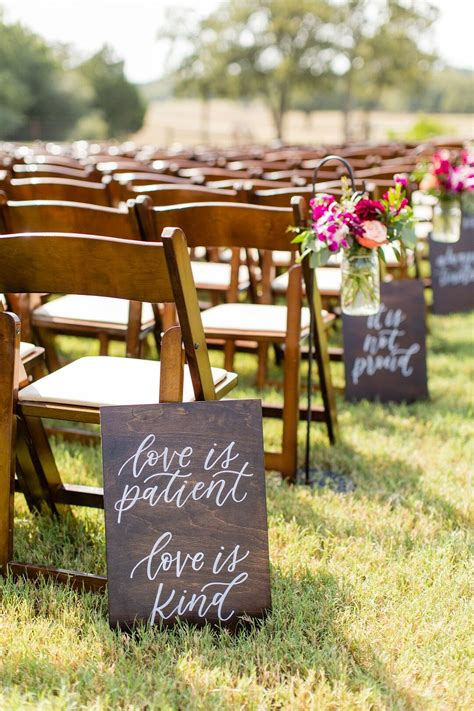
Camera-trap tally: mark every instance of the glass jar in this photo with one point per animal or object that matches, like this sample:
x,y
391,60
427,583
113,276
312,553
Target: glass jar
x,y
447,217
360,288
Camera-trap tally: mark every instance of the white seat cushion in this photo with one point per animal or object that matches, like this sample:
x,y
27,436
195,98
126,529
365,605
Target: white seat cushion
x,y
423,212
26,349
420,198
390,257
93,309
258,318
216,274
106,380
329,281
423,229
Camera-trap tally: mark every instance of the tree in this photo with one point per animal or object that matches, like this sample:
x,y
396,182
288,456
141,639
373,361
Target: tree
x,y
36,99
258,48
379,43
118,101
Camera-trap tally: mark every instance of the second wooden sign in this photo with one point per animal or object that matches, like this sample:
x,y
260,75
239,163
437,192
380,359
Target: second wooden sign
x,y
385,354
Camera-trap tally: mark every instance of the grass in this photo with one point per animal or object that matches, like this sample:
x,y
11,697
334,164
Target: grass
x,y
372,589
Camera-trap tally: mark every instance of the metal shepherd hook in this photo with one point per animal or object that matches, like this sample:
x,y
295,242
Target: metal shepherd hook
x,y
309,384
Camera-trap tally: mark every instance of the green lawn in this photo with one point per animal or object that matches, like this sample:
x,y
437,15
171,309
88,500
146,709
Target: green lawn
x,y
372,589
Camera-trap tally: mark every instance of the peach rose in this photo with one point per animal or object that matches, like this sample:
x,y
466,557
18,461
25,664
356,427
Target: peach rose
x,y
429,182
375,234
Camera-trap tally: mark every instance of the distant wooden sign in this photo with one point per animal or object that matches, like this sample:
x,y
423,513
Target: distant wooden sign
x,y
185,513
452,271
385,354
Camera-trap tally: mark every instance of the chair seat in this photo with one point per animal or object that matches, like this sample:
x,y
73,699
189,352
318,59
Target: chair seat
x,y
216,275
26,349
93,310
423,212
257,319
391,259
105,380
423,229
329,282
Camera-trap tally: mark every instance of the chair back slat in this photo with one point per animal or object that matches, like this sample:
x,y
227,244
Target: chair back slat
x,y
57,189
212,224
84,264
163,195
59,216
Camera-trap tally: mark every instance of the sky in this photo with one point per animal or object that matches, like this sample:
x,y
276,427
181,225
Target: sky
x,y
131,28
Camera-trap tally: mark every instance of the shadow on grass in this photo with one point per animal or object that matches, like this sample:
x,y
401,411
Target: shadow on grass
x,y
301,642
384,477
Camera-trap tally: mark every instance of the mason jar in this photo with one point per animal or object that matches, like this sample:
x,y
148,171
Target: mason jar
x,y
447,218
360,288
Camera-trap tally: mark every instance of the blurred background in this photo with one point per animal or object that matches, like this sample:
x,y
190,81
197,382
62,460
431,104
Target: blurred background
x,y
235,71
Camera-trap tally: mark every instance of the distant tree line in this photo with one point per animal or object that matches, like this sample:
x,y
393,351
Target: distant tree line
x,y
45,95
313,55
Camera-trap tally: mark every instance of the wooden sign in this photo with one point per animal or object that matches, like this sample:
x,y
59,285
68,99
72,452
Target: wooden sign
x,y
185,513
452,271
385,354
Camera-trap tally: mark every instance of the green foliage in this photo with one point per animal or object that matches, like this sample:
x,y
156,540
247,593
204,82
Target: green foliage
x,y
41,97
427,127
380,45
36,100
119,102
256,48
424,128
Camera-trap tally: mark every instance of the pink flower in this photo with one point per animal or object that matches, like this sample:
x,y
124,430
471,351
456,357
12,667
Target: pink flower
x,y
369,209
401,179
375,234
429,182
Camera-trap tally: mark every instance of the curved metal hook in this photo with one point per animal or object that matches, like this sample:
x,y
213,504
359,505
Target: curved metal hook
x,y
346,164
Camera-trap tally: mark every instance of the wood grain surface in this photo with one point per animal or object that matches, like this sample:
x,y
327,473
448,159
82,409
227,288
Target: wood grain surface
x,y
452,271
385,354
185,513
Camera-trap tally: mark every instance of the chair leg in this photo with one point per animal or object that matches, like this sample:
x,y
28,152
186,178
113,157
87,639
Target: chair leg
x,y
10,359
229,353
262,365
291,378
103,344
46,339
321,352
37,472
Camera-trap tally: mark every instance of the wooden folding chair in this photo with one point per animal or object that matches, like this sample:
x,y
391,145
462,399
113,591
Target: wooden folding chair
x,y
106,267
101,318
251,227
43,170
61,189
222,279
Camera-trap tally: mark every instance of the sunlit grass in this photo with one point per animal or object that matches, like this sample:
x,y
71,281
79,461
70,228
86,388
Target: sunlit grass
x,y
372,590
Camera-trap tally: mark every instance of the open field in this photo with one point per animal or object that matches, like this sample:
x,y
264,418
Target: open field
x,y
372,590
230,123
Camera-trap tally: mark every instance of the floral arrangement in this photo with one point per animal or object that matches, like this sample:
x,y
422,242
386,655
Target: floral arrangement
x,y
448,175
357,225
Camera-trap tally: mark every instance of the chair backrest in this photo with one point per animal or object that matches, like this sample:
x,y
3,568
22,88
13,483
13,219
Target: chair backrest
x,y
224,224
106,266
50,160
58,189
33,170
148,177
176,194
58,216
220,224
253,183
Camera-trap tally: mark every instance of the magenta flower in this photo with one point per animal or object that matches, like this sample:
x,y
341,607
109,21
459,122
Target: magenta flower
x,y
401,179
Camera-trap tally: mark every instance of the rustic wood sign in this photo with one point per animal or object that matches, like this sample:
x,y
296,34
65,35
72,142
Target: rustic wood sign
x,y
385,354
185,513
452,271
